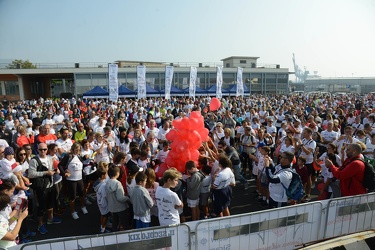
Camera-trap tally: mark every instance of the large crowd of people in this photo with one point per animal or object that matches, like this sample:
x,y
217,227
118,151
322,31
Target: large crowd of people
x,y
67,154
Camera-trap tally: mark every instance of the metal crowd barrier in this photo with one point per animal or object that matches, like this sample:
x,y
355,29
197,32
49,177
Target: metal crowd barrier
x,y
167,237
282,228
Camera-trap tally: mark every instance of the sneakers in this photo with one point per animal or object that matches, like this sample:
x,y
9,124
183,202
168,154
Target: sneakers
x,y
84,210
42,229
104,230
246,186
54,220
88,202
28,234
306,199
75,216
24,241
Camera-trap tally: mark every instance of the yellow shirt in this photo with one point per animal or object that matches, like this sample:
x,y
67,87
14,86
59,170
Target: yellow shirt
x,y
79,136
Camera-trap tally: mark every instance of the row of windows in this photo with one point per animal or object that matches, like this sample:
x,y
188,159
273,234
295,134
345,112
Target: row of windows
x,y
10,87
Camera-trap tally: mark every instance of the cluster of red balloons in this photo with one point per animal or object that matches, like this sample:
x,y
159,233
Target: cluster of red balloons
x,y
186,136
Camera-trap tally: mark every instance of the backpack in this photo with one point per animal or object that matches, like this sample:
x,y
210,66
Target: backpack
x,y
295,190
369,177
39,184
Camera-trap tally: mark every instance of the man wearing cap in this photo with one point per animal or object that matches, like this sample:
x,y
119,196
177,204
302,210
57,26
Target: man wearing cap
x,y
41,171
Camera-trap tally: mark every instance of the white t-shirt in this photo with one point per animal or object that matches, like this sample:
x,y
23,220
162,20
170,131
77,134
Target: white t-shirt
x,y
124,147
224,178
162,155
325,171
75,169
4,228
58,119
104,155
330,136
64,145
308,144
370,148
166,201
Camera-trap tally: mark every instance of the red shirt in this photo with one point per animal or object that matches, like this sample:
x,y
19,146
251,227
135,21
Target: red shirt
x,y
351,176
303,173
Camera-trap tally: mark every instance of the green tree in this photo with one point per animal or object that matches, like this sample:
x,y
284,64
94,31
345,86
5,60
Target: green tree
x,y
21,64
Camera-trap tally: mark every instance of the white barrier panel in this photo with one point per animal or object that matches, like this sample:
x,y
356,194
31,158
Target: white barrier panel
x,y
281,228
172,237
350,215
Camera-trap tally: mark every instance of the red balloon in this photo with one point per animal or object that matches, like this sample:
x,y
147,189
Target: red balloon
x,y
182,147
194,122
194,154
195,114
70,112
159,171
177,123
75,120
170,162
214,104
195,140
170,135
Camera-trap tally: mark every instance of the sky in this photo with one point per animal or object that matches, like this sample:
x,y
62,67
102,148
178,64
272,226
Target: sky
x,y
334,38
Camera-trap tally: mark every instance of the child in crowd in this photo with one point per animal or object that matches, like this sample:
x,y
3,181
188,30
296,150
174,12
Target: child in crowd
x,y
101,195
162,155
151,186
301,169
205,190
143,161
142,202
167,200
194,184
117,201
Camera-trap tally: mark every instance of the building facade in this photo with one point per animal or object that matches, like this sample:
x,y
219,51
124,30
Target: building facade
x,y
360,85
19,84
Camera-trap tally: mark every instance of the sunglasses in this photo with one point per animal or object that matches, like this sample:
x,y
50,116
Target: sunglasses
x,y
22,154
28,148
42,149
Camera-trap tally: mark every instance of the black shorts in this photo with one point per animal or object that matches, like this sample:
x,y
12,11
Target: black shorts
x,y
75,188
222,199
311,169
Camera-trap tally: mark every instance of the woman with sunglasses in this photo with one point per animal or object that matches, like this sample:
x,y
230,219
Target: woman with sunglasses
x,y
29,152
21,158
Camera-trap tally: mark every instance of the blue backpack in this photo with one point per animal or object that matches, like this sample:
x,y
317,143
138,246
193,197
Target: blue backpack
x,y
295,190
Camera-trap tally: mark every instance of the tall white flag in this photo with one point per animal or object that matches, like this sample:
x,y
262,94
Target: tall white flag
x,y
219,81
113,82
192,83
141,81
239,90
168,81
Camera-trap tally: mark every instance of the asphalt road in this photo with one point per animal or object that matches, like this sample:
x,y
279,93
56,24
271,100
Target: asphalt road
x,y
242,202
